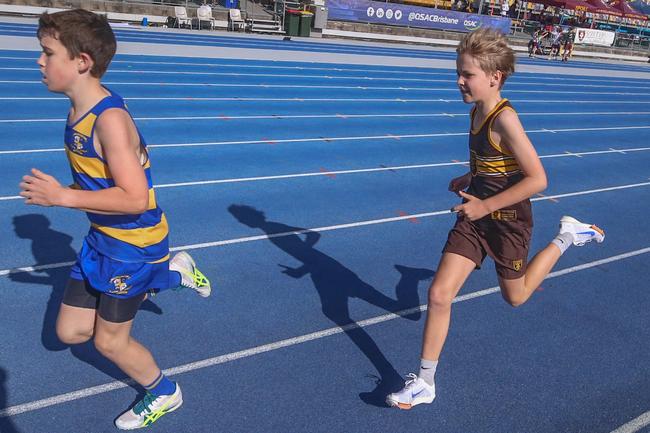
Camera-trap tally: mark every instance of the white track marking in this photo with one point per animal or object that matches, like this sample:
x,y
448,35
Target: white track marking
x,y
518,82
305,86
349,138
344,116
335,100
329,228
635,425
340,68
222,359
360,170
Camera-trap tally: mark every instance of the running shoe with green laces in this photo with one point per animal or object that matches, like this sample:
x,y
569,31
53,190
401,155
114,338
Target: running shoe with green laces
x,y
148,410
191,277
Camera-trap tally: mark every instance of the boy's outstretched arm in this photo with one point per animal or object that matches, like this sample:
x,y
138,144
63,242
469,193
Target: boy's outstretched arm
x,y
130,195
508,131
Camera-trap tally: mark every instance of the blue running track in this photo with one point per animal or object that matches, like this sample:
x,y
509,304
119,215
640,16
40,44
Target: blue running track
x,y
315,197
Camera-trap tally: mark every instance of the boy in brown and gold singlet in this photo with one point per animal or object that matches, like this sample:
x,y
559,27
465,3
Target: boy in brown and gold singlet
x,y
495,217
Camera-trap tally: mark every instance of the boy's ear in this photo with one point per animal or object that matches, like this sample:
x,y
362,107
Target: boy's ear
x,y
85,63
495,79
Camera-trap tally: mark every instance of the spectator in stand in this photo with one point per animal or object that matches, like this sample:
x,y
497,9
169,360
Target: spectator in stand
x,y
505,7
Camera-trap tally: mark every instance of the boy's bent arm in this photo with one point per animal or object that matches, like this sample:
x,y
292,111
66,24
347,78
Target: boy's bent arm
x,y
130,195
512,137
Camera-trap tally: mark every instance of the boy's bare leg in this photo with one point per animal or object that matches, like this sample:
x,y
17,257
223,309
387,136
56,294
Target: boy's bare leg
x,y
114,341
452,272
517,291
572,232
75,325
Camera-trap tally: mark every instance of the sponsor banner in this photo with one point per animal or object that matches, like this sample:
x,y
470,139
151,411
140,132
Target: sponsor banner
x,y
594,37
412,16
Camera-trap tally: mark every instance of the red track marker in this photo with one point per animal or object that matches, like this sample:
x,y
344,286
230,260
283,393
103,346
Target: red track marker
x,y
551,199
412,219
327,173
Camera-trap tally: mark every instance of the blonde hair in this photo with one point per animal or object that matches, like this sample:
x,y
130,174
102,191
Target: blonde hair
x,y
490,49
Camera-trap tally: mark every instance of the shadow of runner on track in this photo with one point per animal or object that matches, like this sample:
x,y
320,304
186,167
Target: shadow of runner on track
x,y
335,285
52,247
6,426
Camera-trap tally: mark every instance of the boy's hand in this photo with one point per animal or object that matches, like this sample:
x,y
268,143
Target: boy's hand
x,y
293,272
473,209
460,183
41,189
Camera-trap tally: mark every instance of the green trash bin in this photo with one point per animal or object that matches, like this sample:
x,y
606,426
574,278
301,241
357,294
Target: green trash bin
x,y
305,23
292,22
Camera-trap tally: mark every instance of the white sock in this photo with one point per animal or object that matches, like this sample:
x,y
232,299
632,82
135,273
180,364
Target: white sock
x,y
563,241
427,370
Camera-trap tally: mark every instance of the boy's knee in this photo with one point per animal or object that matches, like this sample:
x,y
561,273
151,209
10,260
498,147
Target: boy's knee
x,y
108,345
439,297
515,302
73,336
512,299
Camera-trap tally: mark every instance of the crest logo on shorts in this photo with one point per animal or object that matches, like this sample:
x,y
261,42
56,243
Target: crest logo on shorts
x,y
120,285
516,264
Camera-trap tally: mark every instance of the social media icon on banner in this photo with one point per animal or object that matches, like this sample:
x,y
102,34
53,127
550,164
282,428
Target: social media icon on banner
x,y
380,13
398,15
370,12
389,13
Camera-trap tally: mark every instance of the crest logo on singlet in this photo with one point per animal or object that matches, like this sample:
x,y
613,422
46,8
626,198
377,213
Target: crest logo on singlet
x,y
120,287
516,264
78,143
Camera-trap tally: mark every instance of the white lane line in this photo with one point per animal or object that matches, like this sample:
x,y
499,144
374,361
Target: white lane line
x,y
327,228
635,425
361,170
360,100
311,86
340,68
238,66
344,116
350,138
518,82
222,359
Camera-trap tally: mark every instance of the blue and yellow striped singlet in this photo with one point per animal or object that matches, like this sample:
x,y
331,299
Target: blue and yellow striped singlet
x,y
127,238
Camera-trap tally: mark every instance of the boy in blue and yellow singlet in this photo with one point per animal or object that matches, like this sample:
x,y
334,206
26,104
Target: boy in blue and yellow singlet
x,y
126,252
495,217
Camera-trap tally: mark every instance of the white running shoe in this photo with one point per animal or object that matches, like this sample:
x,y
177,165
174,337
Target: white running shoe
x,y
191,277
149,410
582,233
415,391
